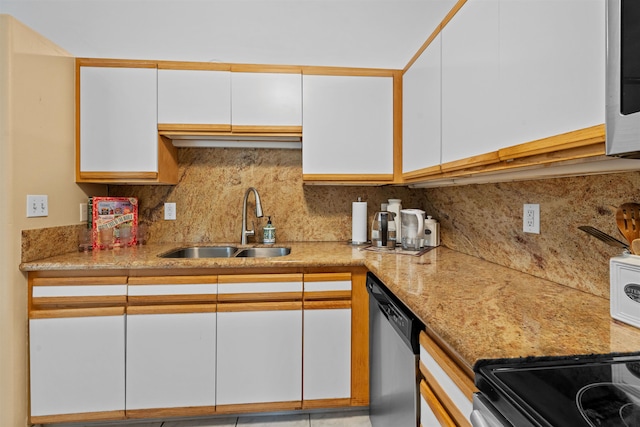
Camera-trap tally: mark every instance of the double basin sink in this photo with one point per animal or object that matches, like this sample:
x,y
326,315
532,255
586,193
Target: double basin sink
x,y
225,252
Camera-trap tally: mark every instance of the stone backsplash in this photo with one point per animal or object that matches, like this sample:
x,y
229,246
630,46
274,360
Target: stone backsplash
x,y
486,221
212,184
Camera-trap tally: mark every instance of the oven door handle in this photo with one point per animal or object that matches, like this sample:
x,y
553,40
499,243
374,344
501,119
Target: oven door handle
x,y
478,420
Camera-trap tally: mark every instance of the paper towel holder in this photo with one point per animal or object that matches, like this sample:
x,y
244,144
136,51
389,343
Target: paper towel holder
x,y
359,217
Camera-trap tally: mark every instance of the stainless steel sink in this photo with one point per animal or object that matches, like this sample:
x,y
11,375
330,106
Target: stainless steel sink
x,y
225,252
263,252
201,252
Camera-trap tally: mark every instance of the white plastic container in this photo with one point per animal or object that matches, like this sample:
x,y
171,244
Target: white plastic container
x,y
431,232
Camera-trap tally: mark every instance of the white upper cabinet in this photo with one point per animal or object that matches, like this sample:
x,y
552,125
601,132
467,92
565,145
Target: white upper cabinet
x,y
347,125
470,81
421,110
552,67
266,99
514,71
118,119
194,97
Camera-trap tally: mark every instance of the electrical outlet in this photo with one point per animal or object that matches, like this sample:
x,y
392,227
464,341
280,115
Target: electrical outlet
x,y
531,218
83,212
170,211
37,206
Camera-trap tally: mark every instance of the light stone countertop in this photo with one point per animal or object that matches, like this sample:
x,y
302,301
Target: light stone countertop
x,y
478,309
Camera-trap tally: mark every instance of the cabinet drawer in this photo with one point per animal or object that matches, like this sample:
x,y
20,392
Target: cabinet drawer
x,y
260,288
322,286
74,292
432,413
447,381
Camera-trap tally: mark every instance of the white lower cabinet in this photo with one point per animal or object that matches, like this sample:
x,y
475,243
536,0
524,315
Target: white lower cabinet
x,y
77,363
446,391
171,359
327,338
327,354
171,345
259,356
259,351
76,348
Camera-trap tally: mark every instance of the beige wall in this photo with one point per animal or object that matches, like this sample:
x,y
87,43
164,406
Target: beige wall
x,y
37,156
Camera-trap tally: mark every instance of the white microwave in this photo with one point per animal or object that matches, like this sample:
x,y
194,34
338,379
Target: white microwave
x,y
623,78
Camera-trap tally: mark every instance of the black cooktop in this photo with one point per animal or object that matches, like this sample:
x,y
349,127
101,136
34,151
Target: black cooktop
x,y
564,392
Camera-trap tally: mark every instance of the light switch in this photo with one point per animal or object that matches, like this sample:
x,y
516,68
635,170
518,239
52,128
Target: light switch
x,y
37,205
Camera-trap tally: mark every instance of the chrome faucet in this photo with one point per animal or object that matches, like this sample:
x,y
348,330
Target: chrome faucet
x,y
245,232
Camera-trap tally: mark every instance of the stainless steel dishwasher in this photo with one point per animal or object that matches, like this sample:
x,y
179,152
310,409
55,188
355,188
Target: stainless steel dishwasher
x,y
394,354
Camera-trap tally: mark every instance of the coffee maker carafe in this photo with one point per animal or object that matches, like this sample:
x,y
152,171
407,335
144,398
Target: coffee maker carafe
x,y
383,229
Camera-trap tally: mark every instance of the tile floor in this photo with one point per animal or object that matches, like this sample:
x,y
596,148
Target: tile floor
x,y
323,419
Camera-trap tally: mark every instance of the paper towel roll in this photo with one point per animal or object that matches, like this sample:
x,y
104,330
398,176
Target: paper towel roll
x,y
358,222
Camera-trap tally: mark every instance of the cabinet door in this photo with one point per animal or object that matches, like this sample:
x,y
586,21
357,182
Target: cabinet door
x,y
171,345
266,99
77,363
552,75
171,357
421,110
201,97
260,355
259,345
327,353
445,383
470,81
432,413
347,125
118,119
327,338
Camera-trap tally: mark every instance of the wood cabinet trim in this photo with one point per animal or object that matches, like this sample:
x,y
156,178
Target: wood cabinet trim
x,y
85,416
260,297
327,295
196,66
258,407
325,403
326,305
469,162
171,412
98,175
259,306
438,410
326,277
565,141
78,302
172,309
262,129
169,129
349,178
451,368
80,281
171,299
422,173
443,397
435,33
115,63
397,126
172,280
257,278
344,71
265,68
76,312
359,339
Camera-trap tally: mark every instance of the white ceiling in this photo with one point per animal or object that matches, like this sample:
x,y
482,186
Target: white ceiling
x,y
351,33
